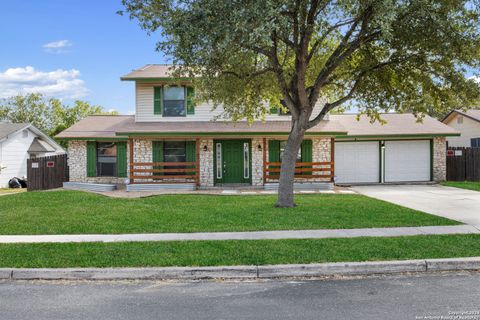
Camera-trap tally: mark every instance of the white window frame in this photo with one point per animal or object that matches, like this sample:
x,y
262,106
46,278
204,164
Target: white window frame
x,y
218,156
246,160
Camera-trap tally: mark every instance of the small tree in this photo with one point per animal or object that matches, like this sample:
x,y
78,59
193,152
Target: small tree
x,y
380,54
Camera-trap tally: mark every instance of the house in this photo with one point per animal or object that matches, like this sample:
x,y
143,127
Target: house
x,y
468,124
171,141
19,142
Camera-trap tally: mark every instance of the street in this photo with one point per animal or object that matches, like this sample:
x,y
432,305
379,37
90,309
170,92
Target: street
x,y
393,297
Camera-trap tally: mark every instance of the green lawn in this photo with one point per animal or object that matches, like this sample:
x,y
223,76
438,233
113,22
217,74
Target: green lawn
x,y
213,253
73,212
475,186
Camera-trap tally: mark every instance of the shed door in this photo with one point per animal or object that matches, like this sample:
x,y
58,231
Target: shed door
x,y
357,162
407,161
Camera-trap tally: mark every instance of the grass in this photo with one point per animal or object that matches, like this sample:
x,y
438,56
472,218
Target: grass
x,y
75,212
475,186
214,253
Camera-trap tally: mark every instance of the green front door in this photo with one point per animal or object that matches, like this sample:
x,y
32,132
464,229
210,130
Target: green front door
x,y
232,161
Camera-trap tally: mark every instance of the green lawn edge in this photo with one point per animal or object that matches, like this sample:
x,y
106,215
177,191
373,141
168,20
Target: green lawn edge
x,y
75,212
469,185
245,252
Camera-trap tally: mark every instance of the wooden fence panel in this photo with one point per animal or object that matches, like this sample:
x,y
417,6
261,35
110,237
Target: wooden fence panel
x,y
45,173
463,164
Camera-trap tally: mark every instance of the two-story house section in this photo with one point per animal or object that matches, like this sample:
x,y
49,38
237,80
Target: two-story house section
x,y
174,142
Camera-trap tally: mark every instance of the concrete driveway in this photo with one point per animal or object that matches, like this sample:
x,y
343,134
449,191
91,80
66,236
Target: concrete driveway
x,y
453,203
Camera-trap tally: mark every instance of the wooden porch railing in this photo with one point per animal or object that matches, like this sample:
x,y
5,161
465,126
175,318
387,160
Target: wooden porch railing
x,y
162,172
312,171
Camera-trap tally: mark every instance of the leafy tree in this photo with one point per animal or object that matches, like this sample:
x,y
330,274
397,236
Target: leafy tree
x,y
378,54
49,115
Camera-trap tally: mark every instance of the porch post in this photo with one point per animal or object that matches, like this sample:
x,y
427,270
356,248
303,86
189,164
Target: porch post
x,y
197,159
264,160
130,165
332,159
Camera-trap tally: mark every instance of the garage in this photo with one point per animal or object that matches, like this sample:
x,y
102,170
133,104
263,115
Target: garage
x,y
407,161
357,162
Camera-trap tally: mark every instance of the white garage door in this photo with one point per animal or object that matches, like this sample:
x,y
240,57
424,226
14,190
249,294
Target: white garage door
x,y
357,162
407,161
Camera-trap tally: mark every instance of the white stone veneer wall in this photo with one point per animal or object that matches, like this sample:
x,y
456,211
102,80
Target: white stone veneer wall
x,y
77,164
257,161
143,152
206,163
439,159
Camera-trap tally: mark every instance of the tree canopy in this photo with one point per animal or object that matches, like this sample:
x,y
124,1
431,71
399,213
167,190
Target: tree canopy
x,y
49,115
381,55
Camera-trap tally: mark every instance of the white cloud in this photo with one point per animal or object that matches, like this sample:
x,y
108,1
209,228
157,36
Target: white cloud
x,y
60,46
58,83
476,79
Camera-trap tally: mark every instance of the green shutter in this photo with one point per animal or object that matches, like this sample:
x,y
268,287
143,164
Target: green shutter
x,y
274,151
157,100
274,154
157,148
307,154
91,159
157,156
190,100
121,159
191,153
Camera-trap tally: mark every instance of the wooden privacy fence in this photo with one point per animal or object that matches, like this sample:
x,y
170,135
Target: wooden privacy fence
x,y
311,171
164,172
45,173
463,164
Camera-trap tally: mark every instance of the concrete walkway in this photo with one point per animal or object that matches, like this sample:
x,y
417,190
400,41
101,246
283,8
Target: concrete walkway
x,y
255,235
452,203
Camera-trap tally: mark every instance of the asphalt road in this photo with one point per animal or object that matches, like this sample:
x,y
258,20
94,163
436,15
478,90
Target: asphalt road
x,y
395,297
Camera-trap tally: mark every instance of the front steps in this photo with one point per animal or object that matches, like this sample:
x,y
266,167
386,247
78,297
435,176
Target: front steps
x,y
303,186
160,186
98,187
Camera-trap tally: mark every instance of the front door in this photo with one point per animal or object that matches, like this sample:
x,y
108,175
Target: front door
x,y
232,161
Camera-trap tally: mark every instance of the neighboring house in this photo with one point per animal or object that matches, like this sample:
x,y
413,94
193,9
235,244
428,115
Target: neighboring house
x,y
468,124
170,139
19,142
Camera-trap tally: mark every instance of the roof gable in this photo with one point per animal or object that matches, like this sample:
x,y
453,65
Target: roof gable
x,y
472,114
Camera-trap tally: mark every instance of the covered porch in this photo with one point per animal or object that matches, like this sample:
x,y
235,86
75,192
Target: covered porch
x,y
223,161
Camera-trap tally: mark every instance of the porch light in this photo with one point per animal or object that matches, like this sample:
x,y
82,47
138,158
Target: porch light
x,y
205,148
259,147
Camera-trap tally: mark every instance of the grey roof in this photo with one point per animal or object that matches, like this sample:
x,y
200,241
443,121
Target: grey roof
x,y
38,145
7,128
396,124
150,71
343,125
108,126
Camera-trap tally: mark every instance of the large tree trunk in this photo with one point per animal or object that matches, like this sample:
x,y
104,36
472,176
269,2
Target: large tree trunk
x,y
287,172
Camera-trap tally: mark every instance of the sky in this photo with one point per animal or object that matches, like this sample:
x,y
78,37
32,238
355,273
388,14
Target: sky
x,y
72,49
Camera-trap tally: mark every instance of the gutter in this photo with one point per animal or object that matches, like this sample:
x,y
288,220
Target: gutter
x,y
253,272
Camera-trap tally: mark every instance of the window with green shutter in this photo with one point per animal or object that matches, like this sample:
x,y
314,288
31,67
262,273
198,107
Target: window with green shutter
x,y
157,100
121,159
190,100
91,159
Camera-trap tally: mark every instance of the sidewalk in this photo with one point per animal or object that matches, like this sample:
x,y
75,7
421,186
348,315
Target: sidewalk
x,y
254,235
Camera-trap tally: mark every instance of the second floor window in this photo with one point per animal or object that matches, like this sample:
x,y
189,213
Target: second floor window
x,y
174,102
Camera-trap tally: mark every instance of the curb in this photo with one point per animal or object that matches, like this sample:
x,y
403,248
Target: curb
x,y
246,272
